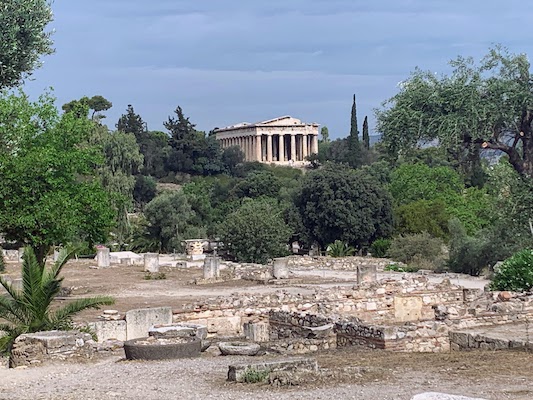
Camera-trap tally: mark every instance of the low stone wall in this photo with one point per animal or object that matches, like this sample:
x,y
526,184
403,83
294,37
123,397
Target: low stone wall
x,y
41,347
303,346
340,264
383,302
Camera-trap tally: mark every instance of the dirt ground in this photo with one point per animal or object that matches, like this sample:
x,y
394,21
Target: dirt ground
x,y
346,373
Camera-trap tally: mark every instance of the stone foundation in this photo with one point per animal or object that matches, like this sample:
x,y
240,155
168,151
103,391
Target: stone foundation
x,y
41,347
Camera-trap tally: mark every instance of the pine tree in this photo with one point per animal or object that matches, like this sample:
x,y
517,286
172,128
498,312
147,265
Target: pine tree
x,y
366,137
132,123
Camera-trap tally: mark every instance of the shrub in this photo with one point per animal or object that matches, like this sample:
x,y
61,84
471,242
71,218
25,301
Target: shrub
x,y
340,249
2,261
468,254
516,273
256,231
380,247
421,250
252,375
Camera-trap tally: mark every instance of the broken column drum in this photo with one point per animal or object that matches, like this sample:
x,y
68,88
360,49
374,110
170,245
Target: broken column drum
x,y
151,262
211,267
280,269
103,257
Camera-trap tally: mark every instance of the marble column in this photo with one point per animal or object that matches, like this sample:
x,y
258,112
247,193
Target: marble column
x,y
281,148
293,147
269,148
258,150
305,148
314,142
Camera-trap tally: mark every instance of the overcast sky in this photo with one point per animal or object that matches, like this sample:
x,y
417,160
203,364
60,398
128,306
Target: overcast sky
x,y
229,61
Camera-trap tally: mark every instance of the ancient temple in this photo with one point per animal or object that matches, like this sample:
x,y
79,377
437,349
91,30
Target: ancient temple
x,y
283,140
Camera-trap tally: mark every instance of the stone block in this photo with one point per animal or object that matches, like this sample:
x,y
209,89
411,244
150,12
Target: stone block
x,y
257,331
280,268
36,348
237,373
107,330
139,321
151,262
178,330
226,326
103,257
407,308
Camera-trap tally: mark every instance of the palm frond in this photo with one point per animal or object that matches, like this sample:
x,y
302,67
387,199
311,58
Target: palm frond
x,y
32,273
13,311
64,314
10,289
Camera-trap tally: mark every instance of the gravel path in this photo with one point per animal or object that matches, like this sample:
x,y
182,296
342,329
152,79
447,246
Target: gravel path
x,y
204,378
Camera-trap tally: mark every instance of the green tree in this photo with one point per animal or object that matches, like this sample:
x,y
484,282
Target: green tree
x,y
97,104
122,161
516,273
231,157
425,185
366,135
48,195
354,146
324,132
191,151
170,220
23,39
256,232
30,309
423,216
257,184
479,106
337,203
144,191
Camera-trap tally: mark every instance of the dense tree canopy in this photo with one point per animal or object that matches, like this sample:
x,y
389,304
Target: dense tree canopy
x,y
23,38
47,193
337,203
256,232
487,105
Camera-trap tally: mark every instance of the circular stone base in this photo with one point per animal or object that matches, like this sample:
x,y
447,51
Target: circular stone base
x,y
162,349
239,349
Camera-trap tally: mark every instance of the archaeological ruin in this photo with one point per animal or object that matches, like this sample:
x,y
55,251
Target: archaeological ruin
x,y
284,140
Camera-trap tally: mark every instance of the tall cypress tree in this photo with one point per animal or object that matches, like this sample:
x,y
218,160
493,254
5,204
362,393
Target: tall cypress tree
x,y
354,132
353,157
366,137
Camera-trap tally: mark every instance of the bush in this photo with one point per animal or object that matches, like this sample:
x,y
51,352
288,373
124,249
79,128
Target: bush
x,y
420,250
340,249
380,247
2,261
256,231
516,273
468,255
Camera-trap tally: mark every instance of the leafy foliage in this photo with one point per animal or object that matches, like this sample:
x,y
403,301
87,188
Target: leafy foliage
x,y
169,219
468,254
23,39
516,273
339,249
380,247
30,309
421,250
487,105
423,216
47,193
256,232
337,203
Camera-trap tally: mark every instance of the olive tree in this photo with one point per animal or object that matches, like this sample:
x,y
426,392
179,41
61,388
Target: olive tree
x,y
23,38
485,105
